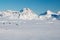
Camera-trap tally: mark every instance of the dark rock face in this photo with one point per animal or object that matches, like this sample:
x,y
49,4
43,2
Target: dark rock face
x,y
56,16
43,13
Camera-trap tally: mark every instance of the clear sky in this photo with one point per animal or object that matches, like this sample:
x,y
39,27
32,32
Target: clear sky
x,y
38,6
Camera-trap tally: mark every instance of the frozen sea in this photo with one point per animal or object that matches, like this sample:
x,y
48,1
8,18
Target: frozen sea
x,y
30,30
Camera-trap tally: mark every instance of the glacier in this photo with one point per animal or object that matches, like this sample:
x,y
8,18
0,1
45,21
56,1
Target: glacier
x,y
27,25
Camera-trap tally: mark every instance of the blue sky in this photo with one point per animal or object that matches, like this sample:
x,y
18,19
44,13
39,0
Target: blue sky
x,y
38,6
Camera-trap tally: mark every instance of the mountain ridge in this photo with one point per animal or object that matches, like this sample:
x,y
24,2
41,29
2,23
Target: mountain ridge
x,y
28,14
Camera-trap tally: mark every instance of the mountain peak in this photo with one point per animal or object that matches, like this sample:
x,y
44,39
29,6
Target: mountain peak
x,y
27,14
49,12
25,10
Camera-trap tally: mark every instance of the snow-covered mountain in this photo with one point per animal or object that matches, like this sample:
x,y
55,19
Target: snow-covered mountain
x,y
28,14
50,15
46,15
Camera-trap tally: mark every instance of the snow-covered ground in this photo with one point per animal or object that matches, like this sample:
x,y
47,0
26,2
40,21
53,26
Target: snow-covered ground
x,y
27,25
30,30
